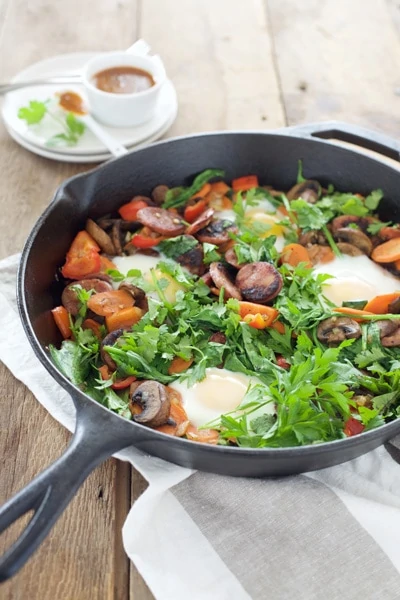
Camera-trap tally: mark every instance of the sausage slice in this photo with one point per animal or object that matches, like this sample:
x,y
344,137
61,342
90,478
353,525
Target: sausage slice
x,y
69,297
202,221
217,232
259,282
161,221
221,276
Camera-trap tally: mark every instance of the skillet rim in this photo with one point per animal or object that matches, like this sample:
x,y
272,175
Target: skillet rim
x,y
78,396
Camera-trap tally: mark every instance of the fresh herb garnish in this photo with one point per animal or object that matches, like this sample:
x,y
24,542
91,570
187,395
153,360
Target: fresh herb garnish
x,y
179,196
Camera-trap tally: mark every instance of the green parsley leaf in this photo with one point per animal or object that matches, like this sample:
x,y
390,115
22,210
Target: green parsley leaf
x,y
34,112
175,247
173,199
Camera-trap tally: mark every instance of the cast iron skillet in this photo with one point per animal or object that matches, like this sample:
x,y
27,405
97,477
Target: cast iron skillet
x,y
99,432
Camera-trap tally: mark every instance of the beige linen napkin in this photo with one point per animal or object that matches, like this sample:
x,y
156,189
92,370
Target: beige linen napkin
x,y
332,534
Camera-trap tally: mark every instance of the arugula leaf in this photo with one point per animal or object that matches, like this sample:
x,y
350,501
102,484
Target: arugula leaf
x,y
34,112
175,198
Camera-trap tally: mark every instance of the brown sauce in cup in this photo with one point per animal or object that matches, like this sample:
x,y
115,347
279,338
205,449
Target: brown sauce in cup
x,y
123,80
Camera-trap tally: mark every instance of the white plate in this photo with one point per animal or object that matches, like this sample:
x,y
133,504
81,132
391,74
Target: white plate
x,y
85,158
37,135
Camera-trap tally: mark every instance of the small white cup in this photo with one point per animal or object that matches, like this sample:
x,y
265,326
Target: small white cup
x,y
123,110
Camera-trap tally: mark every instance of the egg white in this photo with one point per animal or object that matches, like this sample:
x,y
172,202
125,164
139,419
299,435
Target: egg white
x,y
221,391
356,278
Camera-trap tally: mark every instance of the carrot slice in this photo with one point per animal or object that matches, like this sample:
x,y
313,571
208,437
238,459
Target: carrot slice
x,y
267,313
396,265
178,415
320,254
106,263
380,304
205,436
294,254
389,233
387,252
220,188
124,318
105,372
178,365
93,325
245,183
206,189
278,326
61,318
108,303
354,313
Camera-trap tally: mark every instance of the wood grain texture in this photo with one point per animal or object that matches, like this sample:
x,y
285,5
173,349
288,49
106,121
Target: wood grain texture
x,y
338,60
83,557
219,56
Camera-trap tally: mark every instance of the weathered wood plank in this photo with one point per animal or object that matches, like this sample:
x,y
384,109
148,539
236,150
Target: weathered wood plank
x,y
219,56
338,60
83,556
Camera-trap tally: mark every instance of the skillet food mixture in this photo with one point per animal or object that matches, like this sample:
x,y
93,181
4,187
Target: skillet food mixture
x,y
237,314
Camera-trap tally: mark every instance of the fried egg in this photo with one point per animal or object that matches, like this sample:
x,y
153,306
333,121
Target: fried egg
x,y
145,264
356,278
221,391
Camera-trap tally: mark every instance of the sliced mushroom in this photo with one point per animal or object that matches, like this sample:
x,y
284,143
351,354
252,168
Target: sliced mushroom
x,y
107,224
159,193
345,220
218,338
387,327
363,400
70,299
259,282
222,278
100,236
320,254
137,293
335,330
394,306
110,340
355,237
116,237
349,249
309,190
390,341
154,400
313,237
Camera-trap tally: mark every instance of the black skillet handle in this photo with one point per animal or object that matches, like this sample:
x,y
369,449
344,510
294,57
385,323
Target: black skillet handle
x,y
96,437
353,134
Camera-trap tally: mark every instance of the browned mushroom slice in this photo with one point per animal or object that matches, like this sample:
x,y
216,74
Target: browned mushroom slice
x,y
355,237
394,306
159,193
100,236
259,282
110,340
320,254
308,190
137,293
335,330
69,297
192,260
313,237
217,232
153,398
161,221
231,258
393,340
345,220
349,249
222,278
202,221
387,327
116,237
107,224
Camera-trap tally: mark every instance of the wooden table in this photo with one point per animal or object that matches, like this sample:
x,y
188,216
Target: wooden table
x,y
236,64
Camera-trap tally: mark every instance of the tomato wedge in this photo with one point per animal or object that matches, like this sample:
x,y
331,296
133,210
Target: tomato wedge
x,y
145,241
129,211
353,427
82,257
241,184
192,212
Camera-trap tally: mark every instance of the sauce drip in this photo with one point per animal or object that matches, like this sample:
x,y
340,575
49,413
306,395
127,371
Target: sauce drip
x,y
72,102
123,80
